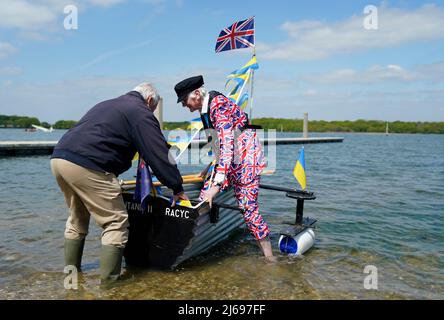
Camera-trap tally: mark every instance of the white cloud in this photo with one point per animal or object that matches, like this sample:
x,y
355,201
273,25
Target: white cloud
x,y
314,40
39,20
374,74
380,74
433,72
390,105
41,15
32,35
310,93
70,99
27,15
105,3
10,71
112,53
6,49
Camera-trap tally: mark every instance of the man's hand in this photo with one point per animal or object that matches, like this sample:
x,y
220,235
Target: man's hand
x,y
180,196
211,193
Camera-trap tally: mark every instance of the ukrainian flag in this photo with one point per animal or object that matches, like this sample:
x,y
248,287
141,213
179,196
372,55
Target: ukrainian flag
x,y
299,170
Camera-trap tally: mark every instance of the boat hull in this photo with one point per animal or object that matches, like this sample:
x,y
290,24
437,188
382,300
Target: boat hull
x,y
162,237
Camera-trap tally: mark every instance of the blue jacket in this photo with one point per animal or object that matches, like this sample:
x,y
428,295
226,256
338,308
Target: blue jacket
x,y
108,136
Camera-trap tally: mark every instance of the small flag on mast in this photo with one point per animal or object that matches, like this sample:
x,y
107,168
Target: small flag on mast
x,y
299,170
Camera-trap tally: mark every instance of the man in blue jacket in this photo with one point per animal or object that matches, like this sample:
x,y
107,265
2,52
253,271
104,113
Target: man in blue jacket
x,y
89,157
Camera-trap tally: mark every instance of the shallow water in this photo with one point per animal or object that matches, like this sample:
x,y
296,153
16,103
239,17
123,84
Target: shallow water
x,y
380,202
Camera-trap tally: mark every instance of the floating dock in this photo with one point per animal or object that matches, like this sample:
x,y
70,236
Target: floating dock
x,y
31,148
26,148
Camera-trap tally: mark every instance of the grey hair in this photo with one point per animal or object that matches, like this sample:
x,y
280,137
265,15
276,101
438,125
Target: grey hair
x,y
147,90
202,90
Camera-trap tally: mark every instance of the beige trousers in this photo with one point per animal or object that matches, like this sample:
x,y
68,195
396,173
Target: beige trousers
x,y
92,193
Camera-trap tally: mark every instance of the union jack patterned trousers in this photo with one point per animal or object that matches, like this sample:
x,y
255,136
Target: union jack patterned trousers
x,y
247,199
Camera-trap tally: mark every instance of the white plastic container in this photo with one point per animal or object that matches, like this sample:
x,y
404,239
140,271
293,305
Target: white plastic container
x,y
298,244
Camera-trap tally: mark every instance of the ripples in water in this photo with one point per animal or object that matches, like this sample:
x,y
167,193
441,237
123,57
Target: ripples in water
x,y
372,210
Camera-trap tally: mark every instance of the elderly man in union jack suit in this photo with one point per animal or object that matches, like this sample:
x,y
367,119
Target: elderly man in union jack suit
x,y
240,158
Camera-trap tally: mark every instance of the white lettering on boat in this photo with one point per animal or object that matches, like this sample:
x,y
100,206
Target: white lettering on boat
x,y
135,206
178,213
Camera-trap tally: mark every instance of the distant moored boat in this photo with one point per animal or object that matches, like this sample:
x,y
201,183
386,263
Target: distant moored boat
x,y
42,128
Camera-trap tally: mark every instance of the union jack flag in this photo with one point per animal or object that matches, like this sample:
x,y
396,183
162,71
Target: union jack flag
x,y
239,35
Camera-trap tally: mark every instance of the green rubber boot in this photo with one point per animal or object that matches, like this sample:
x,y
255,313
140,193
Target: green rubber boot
x,y
110,263
74,252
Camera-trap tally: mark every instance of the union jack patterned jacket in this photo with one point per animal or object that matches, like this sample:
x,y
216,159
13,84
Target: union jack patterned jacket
x,y
240,158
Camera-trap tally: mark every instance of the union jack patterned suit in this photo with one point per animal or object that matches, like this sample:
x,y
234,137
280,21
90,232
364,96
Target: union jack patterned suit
x,y
240,159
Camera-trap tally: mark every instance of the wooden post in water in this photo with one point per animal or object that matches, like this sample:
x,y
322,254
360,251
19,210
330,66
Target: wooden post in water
x,y
305,127
159,112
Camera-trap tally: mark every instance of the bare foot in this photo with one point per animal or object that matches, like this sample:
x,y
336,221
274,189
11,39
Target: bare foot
x,y
271,259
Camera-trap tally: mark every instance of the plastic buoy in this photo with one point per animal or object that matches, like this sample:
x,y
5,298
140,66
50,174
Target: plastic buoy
x,y
297,244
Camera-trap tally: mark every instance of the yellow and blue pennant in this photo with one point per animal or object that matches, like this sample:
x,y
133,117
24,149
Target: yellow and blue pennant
x,y
252,64
240,78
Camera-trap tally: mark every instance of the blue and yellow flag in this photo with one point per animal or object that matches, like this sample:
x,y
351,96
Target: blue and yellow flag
x,y
240,78
299,170
241,101
238,81
252,64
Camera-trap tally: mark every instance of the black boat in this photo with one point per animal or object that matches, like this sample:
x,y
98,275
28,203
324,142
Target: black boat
x,y
162,237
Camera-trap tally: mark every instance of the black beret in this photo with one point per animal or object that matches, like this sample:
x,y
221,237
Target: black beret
x,y
186,86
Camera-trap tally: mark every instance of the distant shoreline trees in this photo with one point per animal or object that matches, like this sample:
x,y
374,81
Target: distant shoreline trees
x,y
288,125
64,124
18,121
373,126
27,122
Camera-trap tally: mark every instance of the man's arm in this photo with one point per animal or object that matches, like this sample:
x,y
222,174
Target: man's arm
x,y
151,145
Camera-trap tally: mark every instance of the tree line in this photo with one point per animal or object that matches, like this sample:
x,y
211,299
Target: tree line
x,y
279,124
296,125
27,122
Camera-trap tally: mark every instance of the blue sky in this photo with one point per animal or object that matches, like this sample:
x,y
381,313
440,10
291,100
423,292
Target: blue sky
x,y
314,57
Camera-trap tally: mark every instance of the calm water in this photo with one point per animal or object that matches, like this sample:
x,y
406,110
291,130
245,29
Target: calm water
x,y
380,202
